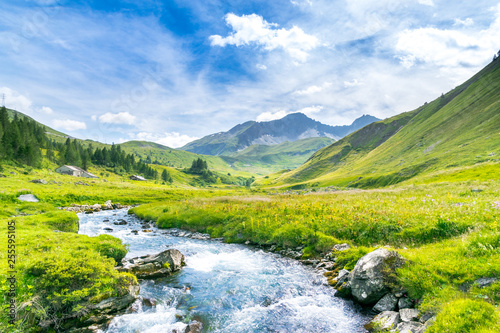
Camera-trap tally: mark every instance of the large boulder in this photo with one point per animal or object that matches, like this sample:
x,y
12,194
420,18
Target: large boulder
x,y
155,265
368,279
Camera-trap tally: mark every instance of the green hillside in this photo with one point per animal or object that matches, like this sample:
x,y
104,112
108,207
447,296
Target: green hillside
x,y
164,155
458,129
263,159
52,132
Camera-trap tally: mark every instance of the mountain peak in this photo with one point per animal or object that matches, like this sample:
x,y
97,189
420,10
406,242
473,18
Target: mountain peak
x,y
292,127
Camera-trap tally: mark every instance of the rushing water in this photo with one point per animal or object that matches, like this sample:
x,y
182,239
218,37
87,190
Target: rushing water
x,y
228,287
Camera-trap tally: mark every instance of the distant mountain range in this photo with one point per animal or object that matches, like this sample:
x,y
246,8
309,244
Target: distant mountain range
x,y
293,127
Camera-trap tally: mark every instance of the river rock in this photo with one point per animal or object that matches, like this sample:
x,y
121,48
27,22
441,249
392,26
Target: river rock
x,y
155,265
383,322
368,277
485,282
39,181
149,301
341,247
194,327
410,327
27,198
405,303
386,303
408,315
120,222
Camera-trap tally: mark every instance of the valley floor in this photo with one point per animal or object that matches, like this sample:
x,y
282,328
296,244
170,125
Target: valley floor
x,y
448,232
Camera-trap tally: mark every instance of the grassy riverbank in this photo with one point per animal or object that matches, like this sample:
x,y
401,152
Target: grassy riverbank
x,y
58,272
449,232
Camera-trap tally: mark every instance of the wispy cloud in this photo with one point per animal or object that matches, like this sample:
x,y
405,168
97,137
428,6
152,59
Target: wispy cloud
x,y
313,89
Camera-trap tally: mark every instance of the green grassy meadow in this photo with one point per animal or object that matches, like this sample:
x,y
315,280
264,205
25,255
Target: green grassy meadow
x,y
448,233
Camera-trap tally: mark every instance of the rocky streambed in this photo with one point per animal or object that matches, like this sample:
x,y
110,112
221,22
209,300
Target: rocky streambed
x,y
223,287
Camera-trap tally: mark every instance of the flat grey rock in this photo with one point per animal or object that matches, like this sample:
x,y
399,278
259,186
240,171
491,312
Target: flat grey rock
x,y
27,198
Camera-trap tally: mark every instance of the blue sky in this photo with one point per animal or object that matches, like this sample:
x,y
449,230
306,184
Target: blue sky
x,y
172,71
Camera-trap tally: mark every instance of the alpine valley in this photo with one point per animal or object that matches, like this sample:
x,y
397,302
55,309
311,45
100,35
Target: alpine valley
x,y
288,225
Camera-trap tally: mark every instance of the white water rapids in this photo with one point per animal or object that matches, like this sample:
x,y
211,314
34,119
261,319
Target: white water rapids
x,y
229,288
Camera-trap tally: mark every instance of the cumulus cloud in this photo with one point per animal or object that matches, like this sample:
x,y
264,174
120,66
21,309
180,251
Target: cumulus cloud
x,y
261,67
310,110
118,118
69,125
268,116
313,89
447,48
173,139
253,29
46,110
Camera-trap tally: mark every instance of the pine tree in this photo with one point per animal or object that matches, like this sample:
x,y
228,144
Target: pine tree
x,y
4,118
165,175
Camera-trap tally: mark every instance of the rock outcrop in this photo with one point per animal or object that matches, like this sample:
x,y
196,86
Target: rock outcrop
x,y
155,265
368,279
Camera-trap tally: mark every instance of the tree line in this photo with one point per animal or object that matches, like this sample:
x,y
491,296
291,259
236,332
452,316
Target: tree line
x,y
22,140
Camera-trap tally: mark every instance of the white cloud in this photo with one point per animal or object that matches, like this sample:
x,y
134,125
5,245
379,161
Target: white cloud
x,y
305,2
467,22
253,29
93,117
310,110
313,89
16,101
426,2
268,116
448,49
353,83
118,118
46,110
261,67
69,125
173,139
